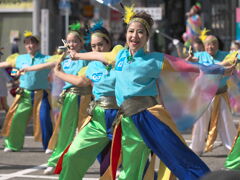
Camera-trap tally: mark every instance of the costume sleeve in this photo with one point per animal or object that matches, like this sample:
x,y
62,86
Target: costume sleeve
x,y
12,59
231,57
82,71
167,66
111,56
172,63
54,58
187,92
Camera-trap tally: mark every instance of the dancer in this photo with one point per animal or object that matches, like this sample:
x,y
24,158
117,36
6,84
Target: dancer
x,y
145,124
74,100
31,100
95,137
218,117
233,159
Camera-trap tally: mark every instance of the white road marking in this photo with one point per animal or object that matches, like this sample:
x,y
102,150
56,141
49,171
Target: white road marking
x,y
41,177
31,176
22,172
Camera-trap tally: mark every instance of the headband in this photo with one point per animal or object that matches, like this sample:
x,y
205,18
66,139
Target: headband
x,y
77,34
129,18
210,40
142,21
102,35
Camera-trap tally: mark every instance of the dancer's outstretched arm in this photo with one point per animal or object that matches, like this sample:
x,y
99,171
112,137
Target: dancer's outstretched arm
x,y
80,81
105,57
5,64
91,56
39,67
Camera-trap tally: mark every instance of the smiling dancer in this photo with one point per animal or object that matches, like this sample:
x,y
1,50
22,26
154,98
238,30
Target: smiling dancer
x,y
74,100
217,119
145,124
32,99
95,137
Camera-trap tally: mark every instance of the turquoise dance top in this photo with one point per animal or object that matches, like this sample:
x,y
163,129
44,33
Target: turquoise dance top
x,y
207,59
103,79
72,67
136,75
35,79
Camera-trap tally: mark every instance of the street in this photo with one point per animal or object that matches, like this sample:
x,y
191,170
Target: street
x,y
31,161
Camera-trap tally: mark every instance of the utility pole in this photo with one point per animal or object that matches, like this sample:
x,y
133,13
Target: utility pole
x,y
36,17
65,7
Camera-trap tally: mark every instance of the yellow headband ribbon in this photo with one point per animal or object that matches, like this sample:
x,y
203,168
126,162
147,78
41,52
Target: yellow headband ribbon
x,y
142,21
102,35
77,34
210,40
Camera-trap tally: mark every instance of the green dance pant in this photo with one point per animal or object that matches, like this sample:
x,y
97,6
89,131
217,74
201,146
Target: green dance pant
x,y
68,125
134,151
90,141
30,103
233,159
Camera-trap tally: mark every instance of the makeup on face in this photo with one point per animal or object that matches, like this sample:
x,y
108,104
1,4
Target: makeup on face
x,y
74,42
99,44
136,37
31,47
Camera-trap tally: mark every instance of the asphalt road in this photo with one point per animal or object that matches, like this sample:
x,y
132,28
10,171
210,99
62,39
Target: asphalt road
x,y
31,161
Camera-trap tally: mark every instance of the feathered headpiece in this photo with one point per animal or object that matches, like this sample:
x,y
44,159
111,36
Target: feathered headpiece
x,y
97,26
27,33
203,34
75,29
75,26
30,34
129,12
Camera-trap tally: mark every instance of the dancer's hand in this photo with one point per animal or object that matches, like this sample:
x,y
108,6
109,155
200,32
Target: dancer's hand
x,y
57,68
230,69
176,42
73,54
24,70
15,72
191,58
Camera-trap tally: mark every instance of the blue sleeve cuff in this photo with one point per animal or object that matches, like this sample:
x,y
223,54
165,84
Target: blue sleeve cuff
x,y
212,69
